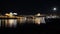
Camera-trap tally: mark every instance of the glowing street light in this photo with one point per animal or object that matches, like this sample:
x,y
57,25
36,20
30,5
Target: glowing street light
x,y
54,9
38,14
14,13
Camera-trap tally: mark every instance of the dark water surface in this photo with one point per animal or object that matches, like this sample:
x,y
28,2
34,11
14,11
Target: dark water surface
x,y
26,28
51,27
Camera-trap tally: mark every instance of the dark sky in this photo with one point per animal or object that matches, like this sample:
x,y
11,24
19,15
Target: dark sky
x,y
28,7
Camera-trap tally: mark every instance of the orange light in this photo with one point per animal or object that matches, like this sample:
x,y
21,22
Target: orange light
x,y
7,14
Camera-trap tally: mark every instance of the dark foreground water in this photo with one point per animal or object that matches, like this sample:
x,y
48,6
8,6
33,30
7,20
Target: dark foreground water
x,y
51,27
26,28
33,28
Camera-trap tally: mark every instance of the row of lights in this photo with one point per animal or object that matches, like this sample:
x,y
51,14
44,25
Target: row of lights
x,y
10,14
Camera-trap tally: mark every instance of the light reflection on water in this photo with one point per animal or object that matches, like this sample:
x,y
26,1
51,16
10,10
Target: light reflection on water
x,y
13,22
8,22
0,23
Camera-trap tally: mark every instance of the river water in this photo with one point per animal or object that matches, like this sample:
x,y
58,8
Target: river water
x,y
14,22
8,22
51,26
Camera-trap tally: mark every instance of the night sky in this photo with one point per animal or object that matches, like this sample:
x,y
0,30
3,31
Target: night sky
x,y
28,6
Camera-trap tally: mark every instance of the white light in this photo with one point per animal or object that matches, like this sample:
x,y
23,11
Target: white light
x,y
11,13
54,9
38,14
15,13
